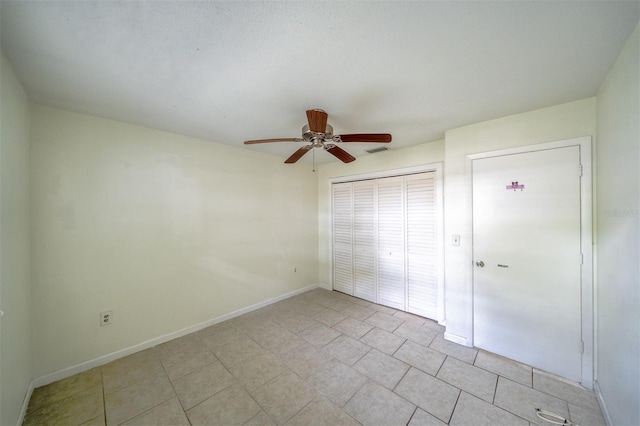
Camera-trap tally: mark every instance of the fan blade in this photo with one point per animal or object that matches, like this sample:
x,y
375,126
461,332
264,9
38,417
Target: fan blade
x,y
273,140
298,154
317,120
339,153
366,137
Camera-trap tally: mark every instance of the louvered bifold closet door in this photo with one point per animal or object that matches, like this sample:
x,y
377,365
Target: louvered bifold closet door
x,y
364,237
422,285
391,282
342,237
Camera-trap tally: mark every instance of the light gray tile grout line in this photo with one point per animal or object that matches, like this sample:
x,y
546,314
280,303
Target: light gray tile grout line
x,y
363,355
456,404
175,395
498,374
402,378
184,410
474,358
412,414
400,396
355,393
440,368
532,378
396,351
296,413
104,396
495,389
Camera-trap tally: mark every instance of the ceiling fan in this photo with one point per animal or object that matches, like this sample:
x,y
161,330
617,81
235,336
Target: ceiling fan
x,y
319,134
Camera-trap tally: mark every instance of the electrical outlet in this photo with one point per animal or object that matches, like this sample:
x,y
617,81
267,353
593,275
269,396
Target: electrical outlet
x,y
295,270
106,318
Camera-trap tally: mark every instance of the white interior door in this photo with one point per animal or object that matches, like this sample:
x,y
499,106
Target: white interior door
x,y
526,250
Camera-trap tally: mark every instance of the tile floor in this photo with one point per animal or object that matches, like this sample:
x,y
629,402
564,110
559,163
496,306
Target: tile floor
x,y
319,358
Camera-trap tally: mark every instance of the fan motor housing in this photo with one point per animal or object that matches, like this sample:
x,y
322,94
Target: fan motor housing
x,y
317,139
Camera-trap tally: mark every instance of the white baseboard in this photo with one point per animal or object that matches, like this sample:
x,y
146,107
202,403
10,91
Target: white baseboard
x,y
603,406
25,403
105,359
326,286
456,339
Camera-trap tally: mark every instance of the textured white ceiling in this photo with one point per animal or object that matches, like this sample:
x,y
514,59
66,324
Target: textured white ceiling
x,y
231,71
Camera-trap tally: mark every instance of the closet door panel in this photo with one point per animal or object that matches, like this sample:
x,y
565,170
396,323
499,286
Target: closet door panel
x,y
364,237
342,218
422,285
391,259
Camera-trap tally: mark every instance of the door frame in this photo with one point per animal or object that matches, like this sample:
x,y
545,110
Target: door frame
x,y
438,168
586,238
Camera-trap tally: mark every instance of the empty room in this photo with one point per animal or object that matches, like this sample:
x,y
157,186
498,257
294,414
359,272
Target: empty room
x,y
320,213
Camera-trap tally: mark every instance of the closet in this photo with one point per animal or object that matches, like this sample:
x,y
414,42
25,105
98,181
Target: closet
x,y
384,239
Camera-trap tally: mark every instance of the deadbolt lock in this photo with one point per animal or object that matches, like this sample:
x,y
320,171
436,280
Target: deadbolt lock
x,y
480,264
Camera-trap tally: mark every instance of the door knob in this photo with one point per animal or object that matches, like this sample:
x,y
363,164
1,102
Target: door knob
x,y
480,264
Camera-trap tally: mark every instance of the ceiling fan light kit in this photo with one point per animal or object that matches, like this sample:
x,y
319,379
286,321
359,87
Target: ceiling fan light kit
x,y
318,134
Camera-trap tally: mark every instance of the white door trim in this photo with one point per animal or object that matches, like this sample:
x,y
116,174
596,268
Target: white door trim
x,y
584,143
438,168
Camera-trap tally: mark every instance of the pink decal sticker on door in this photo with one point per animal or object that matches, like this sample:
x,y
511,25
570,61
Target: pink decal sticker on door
x,y
515,185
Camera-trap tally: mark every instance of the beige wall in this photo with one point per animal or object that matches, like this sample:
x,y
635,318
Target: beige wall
x,y
167,231
426,153
15,281
555,123
618,238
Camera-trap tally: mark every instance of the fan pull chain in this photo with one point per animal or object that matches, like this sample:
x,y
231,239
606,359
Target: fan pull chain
x,y
314,159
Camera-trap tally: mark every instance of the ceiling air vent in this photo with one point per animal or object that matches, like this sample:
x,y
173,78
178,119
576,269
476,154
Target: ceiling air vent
x,y
374,150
